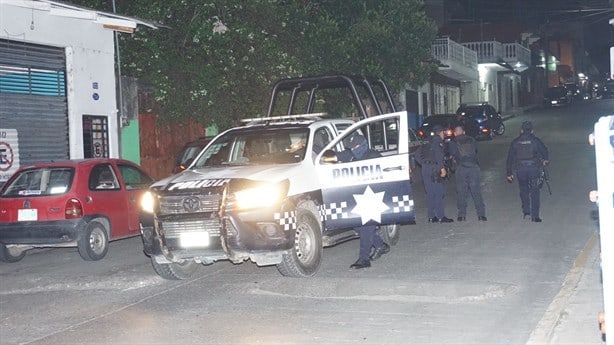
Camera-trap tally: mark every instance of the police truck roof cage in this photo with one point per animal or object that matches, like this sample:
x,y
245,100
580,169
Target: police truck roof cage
x,y
360,89
295,117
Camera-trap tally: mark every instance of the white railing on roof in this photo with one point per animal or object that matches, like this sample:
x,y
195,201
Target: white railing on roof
x,y
488,51
446,50
514,52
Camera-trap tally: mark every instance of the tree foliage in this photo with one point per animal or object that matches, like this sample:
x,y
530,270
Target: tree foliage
x,y
217,60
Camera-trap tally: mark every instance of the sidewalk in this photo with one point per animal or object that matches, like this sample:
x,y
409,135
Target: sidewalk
x,y
572,316
578,323
518,111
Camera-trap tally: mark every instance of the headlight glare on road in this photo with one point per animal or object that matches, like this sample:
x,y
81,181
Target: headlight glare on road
x,y
148,202
261,196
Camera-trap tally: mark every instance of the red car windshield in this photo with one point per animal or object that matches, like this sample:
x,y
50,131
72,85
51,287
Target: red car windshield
x,y
40,182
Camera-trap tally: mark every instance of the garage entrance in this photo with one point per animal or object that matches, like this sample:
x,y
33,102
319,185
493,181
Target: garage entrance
x,y
33,99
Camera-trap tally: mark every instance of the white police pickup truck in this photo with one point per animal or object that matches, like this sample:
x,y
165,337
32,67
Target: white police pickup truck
x,y
273,192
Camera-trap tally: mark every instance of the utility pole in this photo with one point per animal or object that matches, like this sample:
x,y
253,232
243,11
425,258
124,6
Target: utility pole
x,y
119,89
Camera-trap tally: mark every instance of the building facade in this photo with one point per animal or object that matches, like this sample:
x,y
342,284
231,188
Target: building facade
x,y
57,82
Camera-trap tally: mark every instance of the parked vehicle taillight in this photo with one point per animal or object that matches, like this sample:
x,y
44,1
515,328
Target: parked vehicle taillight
x,y
73,209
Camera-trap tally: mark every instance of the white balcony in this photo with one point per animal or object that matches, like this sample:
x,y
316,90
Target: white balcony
x,y
488,51
517,56
455,61
505,55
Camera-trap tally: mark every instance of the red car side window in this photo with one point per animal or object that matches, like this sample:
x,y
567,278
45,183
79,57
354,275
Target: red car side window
x,y
133,177
102,177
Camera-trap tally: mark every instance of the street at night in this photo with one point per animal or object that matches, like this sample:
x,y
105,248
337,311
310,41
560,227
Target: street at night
x,y
476,282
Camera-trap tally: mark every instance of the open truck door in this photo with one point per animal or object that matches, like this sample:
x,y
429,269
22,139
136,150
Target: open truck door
x,y
370,191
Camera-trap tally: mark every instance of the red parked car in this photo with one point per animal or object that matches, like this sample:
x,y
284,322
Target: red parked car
x,y
77,203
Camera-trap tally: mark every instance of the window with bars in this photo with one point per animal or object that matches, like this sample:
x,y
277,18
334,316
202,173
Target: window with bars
x,y
95,136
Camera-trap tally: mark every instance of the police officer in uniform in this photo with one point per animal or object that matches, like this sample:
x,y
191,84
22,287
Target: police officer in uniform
x,y
369,239
464,150
431,159
526,157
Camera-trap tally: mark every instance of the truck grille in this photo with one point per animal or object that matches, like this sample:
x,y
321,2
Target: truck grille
x,y
174,229
184,204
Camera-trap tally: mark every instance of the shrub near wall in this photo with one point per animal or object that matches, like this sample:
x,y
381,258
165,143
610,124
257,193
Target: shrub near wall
x,y
160,143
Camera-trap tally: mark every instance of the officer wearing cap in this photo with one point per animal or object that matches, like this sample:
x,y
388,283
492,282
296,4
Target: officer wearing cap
x,y
465,152
525,159
431,159
372,246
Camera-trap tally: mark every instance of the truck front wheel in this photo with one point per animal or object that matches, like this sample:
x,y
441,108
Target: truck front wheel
x,y
175,270
306,255
390,233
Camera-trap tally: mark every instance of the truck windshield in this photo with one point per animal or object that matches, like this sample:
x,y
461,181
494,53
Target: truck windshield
x,y
258,147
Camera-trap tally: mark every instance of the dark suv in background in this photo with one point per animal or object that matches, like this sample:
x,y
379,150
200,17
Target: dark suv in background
x,y
189,152
557,96
481,120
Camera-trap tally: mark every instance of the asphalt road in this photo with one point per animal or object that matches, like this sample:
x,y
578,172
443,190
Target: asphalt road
x,y
470,283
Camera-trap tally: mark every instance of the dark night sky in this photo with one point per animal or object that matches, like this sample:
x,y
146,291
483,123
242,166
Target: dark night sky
x,y
535,13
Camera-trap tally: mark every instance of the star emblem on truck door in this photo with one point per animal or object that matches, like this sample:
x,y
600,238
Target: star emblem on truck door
x,y
370,205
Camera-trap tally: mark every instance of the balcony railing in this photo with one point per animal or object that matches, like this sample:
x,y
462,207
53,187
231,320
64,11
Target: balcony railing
x,y
516,54
449,52
488,51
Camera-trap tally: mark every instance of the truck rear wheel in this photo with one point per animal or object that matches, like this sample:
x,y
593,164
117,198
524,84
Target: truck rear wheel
x,y
306,255
390,233
175,270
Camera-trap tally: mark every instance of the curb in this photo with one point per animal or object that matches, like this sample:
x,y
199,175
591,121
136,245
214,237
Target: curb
x,y
521,111
544,331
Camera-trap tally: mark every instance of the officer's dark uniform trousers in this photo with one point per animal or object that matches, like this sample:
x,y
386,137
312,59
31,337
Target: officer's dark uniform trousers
x,y
528,182
433,184
368,239
468,181
368,233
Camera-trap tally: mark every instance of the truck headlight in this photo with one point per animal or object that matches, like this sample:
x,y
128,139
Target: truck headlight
x,y
260,197
148,202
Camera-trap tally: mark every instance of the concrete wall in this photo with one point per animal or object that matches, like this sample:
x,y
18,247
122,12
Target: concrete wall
x,y
487,91
89,59
470,91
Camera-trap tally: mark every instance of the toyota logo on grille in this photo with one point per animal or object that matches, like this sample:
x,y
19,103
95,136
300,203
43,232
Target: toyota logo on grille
x,y
191,204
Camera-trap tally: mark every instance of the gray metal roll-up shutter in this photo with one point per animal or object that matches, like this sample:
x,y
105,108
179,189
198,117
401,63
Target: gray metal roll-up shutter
x,y
33,99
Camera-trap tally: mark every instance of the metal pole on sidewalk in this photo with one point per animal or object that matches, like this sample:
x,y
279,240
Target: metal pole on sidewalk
x,y
119,89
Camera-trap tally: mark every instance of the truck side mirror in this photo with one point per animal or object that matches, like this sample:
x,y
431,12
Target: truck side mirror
x,y
329,157
185,164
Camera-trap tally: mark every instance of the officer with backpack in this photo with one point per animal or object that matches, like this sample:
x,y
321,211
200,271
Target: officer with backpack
x,y
465,153
431,159
525,159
